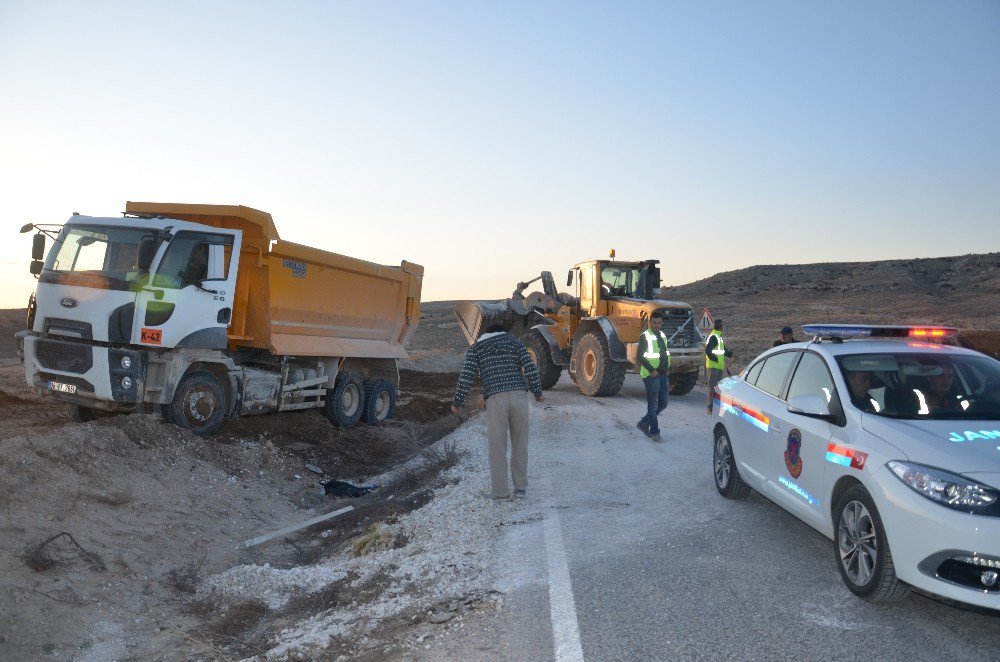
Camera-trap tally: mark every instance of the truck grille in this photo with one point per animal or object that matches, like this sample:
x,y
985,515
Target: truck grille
x,y
681,332
64,356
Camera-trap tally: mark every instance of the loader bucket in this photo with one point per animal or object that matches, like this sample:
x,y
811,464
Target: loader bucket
x,y
476,316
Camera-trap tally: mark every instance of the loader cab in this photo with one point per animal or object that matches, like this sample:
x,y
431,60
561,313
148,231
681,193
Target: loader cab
x,y
598,281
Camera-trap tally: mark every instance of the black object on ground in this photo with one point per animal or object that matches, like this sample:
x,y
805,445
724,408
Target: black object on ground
x,y
339,488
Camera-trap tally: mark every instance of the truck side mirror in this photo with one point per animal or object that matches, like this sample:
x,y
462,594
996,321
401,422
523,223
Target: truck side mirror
x,y
36,267
146,253
569,278
38,247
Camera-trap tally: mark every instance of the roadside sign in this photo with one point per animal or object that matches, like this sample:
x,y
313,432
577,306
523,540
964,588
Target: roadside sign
x,y
707,322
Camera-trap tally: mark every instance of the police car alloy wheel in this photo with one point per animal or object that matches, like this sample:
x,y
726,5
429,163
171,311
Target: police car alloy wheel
x,y
727,476
862,551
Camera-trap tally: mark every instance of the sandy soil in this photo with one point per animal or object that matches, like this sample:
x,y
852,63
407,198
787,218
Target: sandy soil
x,y
149,511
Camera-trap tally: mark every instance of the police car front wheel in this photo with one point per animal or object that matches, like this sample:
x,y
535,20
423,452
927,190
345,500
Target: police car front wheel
x,y
862,550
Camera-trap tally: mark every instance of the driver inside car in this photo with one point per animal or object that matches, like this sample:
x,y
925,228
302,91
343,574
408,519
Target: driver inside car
x,y
859,382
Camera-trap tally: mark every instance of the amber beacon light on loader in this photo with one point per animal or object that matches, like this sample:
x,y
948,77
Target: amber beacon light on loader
x,y
203,313
593,333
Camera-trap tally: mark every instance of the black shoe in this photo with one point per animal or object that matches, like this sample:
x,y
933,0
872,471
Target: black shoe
x,y
644,426
655,436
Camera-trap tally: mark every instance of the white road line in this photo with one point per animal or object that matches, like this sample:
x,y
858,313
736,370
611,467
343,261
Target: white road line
x,y
565,629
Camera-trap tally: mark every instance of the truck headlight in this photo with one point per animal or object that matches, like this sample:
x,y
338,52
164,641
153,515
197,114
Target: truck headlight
x,y
126,362
126,383
944,487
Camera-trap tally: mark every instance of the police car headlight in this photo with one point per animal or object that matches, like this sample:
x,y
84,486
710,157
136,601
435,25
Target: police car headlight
x,y
944,487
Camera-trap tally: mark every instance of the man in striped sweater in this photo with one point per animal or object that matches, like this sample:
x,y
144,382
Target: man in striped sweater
x,y
503,365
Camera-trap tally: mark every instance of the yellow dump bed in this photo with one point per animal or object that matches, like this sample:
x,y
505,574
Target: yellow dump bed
x,y
294,300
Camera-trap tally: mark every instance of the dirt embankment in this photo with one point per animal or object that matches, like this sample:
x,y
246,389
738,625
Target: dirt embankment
x,y
149,511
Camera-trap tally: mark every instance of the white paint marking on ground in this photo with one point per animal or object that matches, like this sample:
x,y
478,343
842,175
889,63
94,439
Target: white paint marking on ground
x,y
565,628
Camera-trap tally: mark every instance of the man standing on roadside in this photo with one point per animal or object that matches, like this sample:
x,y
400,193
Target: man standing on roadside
x,y
503,364
785,338
653,357
715,360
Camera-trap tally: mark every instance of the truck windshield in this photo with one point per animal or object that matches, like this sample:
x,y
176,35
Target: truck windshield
x,y
101,251
924,386
622,281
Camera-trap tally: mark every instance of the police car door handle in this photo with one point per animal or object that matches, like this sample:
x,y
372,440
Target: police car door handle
x,y
775,426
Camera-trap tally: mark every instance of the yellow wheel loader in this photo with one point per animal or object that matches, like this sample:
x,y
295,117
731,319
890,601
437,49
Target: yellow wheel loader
x,y
594,332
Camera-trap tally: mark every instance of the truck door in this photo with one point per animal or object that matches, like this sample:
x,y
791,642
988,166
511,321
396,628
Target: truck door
x,y
189,299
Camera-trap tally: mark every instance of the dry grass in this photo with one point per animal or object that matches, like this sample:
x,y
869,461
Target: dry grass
x,y
59,549
185,578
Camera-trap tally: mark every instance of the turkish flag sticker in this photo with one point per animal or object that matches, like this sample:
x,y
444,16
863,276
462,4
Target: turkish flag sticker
x,y
151,336
858,460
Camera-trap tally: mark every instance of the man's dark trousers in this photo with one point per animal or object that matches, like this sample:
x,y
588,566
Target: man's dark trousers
x,y
657,389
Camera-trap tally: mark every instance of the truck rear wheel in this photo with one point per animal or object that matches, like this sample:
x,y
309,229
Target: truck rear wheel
x,y
541,354
199,404
597,374
345,405
380,401
681,384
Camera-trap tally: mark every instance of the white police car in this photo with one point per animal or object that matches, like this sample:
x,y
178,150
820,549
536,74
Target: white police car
x,y
884,442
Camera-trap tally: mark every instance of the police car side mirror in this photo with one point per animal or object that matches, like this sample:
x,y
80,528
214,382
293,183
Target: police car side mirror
x,y
813,406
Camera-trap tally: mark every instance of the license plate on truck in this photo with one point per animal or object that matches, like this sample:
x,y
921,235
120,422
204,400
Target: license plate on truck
x,y
64,388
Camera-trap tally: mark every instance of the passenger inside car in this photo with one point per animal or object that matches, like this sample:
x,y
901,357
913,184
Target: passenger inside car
x,y
941,393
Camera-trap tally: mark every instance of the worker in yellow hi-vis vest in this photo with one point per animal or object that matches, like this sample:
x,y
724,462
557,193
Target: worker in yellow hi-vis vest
x,y
653,357
715,359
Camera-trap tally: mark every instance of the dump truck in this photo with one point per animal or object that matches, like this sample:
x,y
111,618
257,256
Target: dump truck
x,y
594,332
202,313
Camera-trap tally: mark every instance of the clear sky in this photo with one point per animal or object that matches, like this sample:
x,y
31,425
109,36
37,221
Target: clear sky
x,y
491,140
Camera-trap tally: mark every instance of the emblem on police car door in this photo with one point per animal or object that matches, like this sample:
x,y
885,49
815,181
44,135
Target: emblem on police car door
x,y
793,453
68,302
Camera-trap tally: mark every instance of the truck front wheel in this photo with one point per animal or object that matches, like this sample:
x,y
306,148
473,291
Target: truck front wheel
x,y
541,355
199,404
597,374
346,403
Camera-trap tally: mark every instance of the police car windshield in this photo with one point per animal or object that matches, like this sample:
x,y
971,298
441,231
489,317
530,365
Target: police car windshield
x,y
931,386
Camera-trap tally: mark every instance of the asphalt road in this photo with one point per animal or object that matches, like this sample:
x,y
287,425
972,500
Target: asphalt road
x,y
639,558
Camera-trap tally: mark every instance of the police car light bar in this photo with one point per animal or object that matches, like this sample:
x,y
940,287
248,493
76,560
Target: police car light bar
x,y
848,331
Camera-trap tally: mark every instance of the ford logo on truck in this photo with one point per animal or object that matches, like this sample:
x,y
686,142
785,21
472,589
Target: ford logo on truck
x,y
68,302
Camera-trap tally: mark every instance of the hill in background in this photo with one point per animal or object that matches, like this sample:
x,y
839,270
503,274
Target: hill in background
x,y
757,301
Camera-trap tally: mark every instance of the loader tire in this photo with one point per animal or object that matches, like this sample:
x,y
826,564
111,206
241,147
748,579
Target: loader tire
x,y
681,384
597,373
345,404
541,354
380,401
199,404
